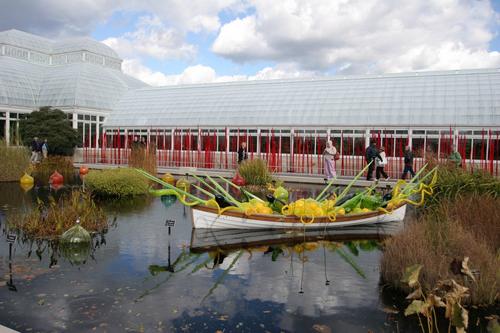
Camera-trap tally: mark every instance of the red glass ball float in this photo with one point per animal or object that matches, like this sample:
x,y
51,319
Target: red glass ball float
x,y
238,180
84,170
56,178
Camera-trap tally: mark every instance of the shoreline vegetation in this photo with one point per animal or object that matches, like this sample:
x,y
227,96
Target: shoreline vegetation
x,y
461,220
14,162
49,220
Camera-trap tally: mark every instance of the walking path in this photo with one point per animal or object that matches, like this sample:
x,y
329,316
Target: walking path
x,y
287,177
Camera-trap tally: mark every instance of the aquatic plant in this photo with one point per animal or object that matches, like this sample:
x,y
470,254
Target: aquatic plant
x,y
143,158
255,172
453,183
466,227
15,160
446,294
117,183
61,164
51,219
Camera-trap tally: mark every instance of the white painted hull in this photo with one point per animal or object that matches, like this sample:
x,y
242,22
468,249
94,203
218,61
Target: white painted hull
x,y
203,240
203,219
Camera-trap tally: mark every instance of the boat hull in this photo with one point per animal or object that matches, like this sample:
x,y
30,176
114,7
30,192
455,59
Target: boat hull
x,y
204,240
208,218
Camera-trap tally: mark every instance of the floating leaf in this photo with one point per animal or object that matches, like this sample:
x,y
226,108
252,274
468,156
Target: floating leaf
x,y
322,328
411,275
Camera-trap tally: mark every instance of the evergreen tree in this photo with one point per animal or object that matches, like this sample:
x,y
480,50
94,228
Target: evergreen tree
x,y
53,125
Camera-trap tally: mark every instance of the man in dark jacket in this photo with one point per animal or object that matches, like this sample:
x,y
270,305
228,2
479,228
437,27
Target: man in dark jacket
x,y
242,152
371,154
36,149
408,163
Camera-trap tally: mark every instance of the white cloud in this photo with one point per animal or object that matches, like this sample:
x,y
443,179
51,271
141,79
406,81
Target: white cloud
x,y
79,17
364,35
152,38
282,71
190,75
206,74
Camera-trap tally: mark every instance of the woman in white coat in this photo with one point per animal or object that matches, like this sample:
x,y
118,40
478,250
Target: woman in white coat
x,y
380,164
329,160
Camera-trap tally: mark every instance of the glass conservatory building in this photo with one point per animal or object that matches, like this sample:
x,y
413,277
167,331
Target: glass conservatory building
x,y
287,122
79,76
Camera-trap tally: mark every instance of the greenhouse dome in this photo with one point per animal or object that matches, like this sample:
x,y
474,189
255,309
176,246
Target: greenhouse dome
x,y
80,76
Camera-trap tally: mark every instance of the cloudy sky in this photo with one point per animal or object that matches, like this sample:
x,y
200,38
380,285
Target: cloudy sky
x,y
189,41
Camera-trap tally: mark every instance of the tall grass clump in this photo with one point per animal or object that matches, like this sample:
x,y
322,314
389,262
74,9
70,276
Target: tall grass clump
x,y
61,164
143,158
457,228
116,183
255,172
14,162
51,219
454,183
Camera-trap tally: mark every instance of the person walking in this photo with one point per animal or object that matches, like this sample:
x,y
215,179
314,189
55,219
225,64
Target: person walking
x,y
455,157
45,149
380,164
242,152
329,160
371,154
34,149
408,159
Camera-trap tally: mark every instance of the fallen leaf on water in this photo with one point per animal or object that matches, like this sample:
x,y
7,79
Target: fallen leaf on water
x,y
322,328
389,310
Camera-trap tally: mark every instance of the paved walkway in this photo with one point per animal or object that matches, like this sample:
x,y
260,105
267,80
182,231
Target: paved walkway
x,y
287,177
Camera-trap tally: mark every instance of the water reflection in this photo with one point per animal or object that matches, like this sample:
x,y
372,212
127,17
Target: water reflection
x,y
148,275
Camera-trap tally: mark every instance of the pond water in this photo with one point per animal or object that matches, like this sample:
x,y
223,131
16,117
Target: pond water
x,y
144,276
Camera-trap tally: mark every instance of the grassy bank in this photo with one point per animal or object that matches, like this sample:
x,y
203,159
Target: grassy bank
x,y
466,227
461,219
14,162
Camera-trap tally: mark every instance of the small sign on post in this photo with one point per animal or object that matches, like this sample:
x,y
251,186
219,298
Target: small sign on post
x,y
169,224
11,238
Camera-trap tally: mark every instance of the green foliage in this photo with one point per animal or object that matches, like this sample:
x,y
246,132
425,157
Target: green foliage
x,y
55,217
255,172
14,161
454,183
120,183
53,125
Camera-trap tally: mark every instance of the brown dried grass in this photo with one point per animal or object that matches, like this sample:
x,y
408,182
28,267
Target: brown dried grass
x,y
14,161
466,227
143,158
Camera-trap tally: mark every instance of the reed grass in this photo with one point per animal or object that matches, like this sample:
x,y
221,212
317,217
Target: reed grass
x,y
467,226
62,164
51,219
255,172
14,162
143,158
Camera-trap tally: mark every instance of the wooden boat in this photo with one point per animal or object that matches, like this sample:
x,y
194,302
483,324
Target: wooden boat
x,y
207,217
203,240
